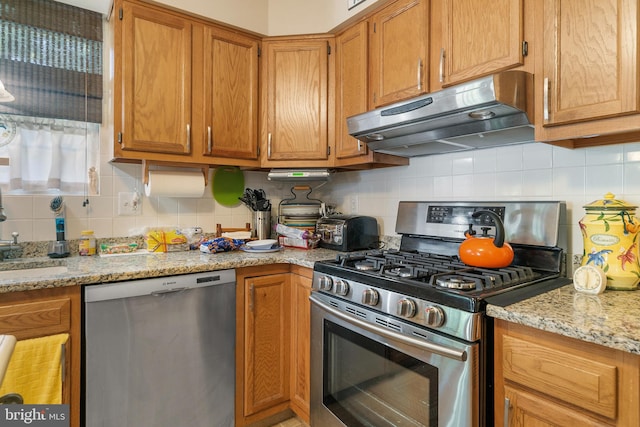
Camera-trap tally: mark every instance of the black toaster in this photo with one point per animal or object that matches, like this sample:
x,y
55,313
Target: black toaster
x,y
348,232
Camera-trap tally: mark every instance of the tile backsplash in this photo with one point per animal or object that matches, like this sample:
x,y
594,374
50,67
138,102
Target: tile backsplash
x,y
526,171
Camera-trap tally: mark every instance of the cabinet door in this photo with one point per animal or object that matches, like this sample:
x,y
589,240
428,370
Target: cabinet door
x,y
352,61
267,342
43,312
590,60
154,64
480,39
527,410
231,94
297,73
399,52
300,345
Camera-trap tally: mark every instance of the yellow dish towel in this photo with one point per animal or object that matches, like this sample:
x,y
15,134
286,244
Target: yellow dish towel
x,y
35,370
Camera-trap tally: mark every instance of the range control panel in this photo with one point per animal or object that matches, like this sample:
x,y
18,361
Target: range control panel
x,y
461,215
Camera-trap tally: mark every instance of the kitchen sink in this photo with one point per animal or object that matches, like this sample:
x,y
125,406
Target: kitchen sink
x,y
32,272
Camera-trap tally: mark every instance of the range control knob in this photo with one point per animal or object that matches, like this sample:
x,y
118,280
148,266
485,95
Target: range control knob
x,y
406,308
370,297
342,288
325,283
433,316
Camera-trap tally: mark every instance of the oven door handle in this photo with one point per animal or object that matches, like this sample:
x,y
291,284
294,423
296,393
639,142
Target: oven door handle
x,y
441,350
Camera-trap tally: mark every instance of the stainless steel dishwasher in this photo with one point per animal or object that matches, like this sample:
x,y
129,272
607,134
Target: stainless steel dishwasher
x,y
160,352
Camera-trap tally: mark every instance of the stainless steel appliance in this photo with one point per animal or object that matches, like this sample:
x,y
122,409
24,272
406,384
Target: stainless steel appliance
x,y
160,352
490,111
348,232
400,337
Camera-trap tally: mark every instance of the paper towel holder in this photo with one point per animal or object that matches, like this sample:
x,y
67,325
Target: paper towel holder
x,y
146,164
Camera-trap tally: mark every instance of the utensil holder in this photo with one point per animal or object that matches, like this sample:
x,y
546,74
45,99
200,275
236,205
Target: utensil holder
x,y
261,224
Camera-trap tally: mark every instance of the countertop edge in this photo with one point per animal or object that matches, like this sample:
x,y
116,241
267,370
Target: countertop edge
x,y
93,270
610,319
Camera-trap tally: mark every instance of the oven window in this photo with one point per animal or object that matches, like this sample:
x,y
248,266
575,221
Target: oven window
x,y
369,384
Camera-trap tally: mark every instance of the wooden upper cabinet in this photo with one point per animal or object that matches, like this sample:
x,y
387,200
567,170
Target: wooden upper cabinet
x,y
478,38
352,53
296,100
230,127
399,36
154,68
590,60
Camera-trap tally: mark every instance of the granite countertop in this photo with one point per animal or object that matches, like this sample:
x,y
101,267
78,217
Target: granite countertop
x,y
85,270
611,319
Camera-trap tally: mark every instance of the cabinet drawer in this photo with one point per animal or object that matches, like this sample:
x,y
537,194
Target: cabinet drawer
x,y
569,377
35,319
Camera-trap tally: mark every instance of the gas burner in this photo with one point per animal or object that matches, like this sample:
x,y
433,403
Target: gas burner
x,y
365,265
399,272
456,282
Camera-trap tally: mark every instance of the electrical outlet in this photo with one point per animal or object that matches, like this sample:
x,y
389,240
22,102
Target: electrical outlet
x,y
128,204
354,204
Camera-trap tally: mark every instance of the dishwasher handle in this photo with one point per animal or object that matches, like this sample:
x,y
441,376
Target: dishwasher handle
x,y
157,286
168,291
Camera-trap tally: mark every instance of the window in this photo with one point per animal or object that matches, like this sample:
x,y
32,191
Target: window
x,y
51,62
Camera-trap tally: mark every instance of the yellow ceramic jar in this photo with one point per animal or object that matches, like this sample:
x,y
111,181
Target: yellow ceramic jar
x,y
610,231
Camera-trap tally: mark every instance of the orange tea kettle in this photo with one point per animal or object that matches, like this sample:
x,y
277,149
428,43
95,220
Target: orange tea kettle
x,y
485,251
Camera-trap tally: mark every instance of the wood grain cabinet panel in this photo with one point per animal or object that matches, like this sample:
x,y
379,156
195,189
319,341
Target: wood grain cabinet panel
x,y
44,312
479,39
587,72
300,342
544,379
580,381
230,128
399,37
36,319
352,59
296,102
186,90
154,69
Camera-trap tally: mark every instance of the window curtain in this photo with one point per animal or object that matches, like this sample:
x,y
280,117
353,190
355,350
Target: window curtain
x,y
51,60
49,155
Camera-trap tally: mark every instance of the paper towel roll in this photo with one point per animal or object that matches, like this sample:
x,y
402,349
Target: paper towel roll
x,y
175,184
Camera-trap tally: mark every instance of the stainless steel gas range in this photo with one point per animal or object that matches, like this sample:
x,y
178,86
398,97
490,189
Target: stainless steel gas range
x,y
400,337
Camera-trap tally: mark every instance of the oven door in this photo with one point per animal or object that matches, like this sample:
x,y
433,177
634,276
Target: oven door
x,y
368,369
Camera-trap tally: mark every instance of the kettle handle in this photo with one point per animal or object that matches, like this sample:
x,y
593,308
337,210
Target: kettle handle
x,y
498,241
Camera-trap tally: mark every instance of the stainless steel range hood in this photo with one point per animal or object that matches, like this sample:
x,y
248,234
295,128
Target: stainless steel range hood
x,y
487,112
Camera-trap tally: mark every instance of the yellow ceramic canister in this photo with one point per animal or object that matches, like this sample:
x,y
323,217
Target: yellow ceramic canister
x,y
610,232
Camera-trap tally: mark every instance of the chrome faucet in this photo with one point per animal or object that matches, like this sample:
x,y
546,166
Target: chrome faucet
x,y
3,217
9,245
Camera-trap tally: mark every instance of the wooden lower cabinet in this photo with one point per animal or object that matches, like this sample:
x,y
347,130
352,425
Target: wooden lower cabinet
x,y
544,379
272,342
40,313
301,279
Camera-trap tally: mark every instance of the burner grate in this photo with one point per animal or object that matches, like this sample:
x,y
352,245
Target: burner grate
x,y
442,273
